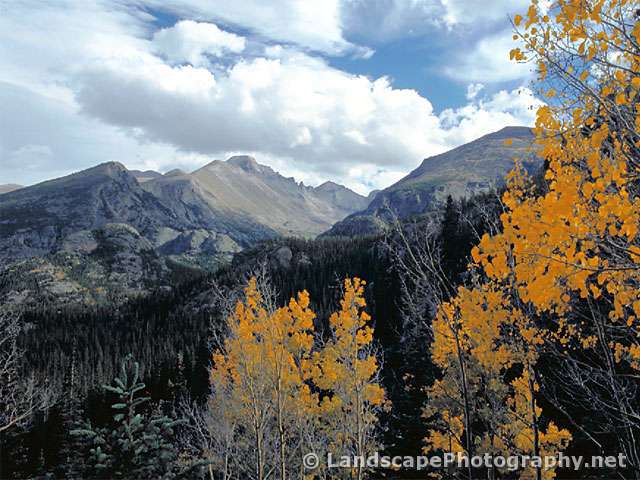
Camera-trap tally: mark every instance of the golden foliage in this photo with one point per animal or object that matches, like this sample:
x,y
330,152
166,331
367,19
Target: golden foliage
x,y
574,243
275,373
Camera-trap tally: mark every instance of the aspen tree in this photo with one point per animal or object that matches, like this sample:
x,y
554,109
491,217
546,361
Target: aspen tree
x,y
346,368
570,252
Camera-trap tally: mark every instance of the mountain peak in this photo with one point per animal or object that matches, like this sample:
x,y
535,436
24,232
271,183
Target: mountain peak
x,y
176,172
246,162
145,176
511,132
475,167
107,168
329,186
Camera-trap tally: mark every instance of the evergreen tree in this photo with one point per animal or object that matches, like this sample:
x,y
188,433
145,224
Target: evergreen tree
x,y
453,252
135,445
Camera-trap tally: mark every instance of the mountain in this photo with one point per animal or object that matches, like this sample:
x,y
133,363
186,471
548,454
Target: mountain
x,y
145,176
9,187
471,168
107,233
37,220
243,188
343,198
203,217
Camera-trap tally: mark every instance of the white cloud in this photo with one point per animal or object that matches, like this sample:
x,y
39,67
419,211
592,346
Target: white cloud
x,y
189,41
297,107
473,89
472,11
43,138
488,61
505,108
310,24
102,91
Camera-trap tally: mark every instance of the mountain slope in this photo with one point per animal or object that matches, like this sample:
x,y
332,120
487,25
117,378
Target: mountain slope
x,y
36,220
215,211
471,168
145,176
256,192
9,187
346,200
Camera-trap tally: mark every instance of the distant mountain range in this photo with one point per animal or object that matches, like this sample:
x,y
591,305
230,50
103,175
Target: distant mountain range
x,y
216,210
472,168
109,233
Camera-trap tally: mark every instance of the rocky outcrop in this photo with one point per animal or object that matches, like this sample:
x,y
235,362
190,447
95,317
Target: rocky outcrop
x,y
111,264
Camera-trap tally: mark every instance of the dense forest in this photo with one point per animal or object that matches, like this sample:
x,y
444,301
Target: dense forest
x,y
504,324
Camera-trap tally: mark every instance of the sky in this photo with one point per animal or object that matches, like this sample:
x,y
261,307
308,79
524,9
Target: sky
x,y
354,91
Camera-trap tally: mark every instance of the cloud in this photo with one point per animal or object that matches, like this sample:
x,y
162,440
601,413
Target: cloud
x,y
471,11
488,61
385,20
473,89
108,88
485,115
322,120
191,42
316,26
43,138
296,106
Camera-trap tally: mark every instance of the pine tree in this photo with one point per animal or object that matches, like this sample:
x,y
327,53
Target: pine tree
x,y
452,260
135,444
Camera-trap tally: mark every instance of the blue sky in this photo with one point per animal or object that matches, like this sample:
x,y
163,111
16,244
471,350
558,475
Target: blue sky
x,y
355,91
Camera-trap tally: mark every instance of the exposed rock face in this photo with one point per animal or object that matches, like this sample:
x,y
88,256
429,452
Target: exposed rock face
x,y
111,263
192,202
283,256
472,168
36,221
175,172
220,208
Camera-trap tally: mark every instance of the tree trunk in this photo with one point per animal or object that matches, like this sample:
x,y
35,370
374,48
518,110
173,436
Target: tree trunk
x,y
467,405
534,423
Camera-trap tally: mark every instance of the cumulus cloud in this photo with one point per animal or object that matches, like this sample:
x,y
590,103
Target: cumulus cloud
x,y
113,87
473,89
296,106
488,114
488,61
312,25
323,120
191,42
